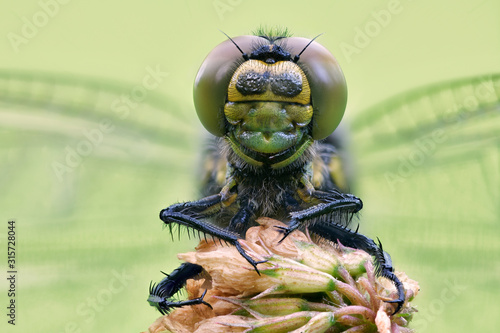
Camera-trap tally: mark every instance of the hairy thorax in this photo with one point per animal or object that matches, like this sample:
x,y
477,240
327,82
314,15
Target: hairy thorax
x,y
269,194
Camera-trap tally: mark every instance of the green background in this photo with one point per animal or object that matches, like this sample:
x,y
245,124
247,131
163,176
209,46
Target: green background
x,y
89,239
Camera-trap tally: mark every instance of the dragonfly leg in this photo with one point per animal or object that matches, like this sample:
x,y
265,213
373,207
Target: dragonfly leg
x,y
160,295
191,215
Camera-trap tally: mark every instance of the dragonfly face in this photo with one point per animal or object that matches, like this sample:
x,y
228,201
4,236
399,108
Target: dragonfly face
x,y
267,68
270,99
268,107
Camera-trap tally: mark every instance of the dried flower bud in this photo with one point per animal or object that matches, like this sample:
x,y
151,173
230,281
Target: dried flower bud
x,y
293,277
316,257
277,324
318,324
276,306
303,287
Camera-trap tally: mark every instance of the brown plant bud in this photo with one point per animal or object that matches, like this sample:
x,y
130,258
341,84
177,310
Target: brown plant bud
x,y
302,287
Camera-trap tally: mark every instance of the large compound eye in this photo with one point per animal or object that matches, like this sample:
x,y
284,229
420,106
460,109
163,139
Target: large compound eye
x,y
328,86
210,86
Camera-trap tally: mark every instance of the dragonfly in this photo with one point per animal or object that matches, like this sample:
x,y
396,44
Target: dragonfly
x,y
427,159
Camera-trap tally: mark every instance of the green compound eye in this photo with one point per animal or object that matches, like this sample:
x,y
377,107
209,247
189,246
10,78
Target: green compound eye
x,y
326,80
210,86
328,86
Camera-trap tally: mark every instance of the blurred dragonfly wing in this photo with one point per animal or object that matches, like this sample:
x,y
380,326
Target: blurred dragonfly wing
x,y
434,152
63,106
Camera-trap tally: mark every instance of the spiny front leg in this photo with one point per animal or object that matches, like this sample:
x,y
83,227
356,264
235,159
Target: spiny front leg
x,y
383,262
331,202
324,224
190,215
160,295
